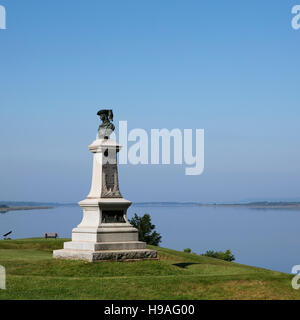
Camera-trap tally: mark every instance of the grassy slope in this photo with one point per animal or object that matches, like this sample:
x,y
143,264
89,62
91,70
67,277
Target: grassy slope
x,y
33,274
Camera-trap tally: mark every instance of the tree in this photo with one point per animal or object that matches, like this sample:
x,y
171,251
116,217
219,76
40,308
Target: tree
x,y
227,255
145,229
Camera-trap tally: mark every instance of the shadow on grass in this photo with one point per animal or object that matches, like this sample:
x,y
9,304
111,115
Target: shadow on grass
x,y
184,264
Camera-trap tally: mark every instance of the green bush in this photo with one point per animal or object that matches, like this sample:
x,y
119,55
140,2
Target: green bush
x,y
188,250
227,255
146,229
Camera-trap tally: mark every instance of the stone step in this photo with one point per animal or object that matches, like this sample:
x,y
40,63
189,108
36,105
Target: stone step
x,y
106,255
99,246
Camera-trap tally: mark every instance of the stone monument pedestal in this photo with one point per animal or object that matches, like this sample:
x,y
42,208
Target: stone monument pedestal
x,y
104,232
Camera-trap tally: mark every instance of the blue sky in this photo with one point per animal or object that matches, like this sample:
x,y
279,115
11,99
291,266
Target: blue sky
x,y
228,67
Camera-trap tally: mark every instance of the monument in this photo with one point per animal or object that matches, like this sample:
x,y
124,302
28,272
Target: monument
x,y
104,232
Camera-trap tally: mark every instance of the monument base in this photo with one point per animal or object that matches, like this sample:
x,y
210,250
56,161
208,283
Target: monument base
x,y
103,251
106,255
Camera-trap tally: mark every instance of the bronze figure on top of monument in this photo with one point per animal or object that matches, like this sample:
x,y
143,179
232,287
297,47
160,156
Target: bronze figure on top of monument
x,y
106,128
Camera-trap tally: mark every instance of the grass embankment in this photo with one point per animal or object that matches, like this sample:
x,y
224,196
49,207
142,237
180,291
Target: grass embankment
x,y
33,274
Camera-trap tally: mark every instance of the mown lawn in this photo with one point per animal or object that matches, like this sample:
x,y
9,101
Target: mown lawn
x,y
33,274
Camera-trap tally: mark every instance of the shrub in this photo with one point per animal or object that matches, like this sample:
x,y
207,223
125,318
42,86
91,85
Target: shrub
x,y
188,250
226,255
146,229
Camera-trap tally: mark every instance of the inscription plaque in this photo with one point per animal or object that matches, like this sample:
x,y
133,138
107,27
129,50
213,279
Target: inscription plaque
x,y
116,216
110,183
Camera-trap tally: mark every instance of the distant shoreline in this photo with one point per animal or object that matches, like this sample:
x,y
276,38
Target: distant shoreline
x,y
24,208
253,205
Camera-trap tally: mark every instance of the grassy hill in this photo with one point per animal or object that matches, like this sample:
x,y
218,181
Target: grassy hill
x,y
33,274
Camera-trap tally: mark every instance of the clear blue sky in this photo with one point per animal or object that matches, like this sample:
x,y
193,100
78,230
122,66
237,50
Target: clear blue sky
x,y
229,67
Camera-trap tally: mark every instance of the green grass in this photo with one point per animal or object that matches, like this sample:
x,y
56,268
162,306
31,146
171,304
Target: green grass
x,y
33,274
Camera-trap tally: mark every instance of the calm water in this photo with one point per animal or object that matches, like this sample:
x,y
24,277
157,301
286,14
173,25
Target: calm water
x,y
263,238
